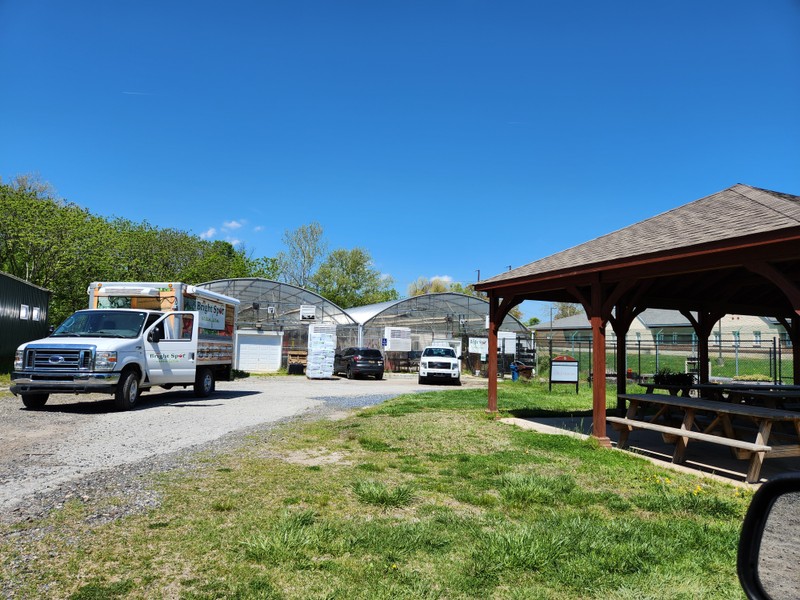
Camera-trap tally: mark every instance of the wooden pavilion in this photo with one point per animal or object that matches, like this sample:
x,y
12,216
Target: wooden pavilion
x,y
736,251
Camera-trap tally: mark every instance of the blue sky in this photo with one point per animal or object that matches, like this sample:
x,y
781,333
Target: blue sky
x,y
443,137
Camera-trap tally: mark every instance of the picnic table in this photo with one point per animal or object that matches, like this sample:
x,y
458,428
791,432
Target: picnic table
x,y
769,394
745,429
676,390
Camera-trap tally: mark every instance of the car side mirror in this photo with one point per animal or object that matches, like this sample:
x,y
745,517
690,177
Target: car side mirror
x,y
769,546
154,336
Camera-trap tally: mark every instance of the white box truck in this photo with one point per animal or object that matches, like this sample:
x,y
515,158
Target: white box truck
x,y
134,336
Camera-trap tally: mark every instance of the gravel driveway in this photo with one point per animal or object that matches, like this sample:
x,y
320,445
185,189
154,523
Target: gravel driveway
x,y
79,446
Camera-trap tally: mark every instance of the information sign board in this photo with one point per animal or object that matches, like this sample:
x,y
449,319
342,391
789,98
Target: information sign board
x,y
564,369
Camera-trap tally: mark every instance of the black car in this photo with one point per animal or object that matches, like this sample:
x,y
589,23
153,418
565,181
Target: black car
x,y
355,362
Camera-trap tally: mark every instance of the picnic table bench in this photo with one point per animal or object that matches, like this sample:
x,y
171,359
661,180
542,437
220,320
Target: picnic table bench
x,y
720,430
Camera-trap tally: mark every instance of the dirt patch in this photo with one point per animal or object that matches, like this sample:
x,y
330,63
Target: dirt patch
x,y
313,458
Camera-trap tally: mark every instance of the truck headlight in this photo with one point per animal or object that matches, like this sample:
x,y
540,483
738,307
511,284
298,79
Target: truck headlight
x,y
105,361
18,359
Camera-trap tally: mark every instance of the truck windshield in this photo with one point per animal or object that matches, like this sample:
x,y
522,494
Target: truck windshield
x,y
440,352
102,323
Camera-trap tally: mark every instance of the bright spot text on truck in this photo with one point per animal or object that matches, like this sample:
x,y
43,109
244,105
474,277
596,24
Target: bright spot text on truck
x,y
134,336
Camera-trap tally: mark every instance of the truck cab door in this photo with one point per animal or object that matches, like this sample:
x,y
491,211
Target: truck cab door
x,y
170,348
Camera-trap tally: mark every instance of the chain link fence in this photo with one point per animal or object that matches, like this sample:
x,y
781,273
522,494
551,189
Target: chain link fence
x,y
733,358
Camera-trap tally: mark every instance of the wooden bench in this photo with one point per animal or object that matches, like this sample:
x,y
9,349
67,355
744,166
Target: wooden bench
x,y
719,431
695,435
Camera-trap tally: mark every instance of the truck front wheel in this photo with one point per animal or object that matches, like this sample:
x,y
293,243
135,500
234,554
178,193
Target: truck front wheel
x,y
127,392
34,401
204,383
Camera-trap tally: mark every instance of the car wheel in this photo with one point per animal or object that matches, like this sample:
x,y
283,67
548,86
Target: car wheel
x,y
379,376
420,379
349,372
127,392
458,381
34,401
204,383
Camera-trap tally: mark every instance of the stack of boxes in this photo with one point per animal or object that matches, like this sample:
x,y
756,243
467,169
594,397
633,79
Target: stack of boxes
x,y
321,350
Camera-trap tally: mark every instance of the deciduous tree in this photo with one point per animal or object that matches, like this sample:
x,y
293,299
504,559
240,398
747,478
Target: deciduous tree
x,y
347,278
305,250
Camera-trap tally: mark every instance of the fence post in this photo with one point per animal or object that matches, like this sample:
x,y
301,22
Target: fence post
x,y
773,366
736,356
639,351
614,357
590,361
656,354
778,360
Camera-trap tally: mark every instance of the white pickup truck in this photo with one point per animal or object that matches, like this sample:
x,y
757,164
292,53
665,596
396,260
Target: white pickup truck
x,y
439,364
122,351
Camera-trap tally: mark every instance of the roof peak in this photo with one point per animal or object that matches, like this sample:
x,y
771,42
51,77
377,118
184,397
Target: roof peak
x,y
737,211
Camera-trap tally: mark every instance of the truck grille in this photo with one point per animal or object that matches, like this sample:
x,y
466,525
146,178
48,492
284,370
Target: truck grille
x,y
439,365
58,359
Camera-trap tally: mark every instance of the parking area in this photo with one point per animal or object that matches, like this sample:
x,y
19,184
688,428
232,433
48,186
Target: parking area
x,y
73,437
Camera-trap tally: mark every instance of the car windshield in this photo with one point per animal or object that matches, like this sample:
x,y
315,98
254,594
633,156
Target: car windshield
x,y
102,323
440,352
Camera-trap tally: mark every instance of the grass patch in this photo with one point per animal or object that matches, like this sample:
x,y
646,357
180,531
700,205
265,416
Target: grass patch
x,y
6,367
377,493
103,591
429,500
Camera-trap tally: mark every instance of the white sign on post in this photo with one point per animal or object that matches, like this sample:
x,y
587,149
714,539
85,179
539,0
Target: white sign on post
x,y
564,372
564,369
479,345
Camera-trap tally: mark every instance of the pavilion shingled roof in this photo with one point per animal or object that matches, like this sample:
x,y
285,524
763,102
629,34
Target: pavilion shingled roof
x,y
735,212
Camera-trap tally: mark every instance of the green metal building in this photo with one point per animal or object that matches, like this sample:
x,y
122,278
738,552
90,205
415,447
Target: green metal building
x,y
23,313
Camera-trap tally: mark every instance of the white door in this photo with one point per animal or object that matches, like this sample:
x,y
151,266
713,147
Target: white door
x,y
258,352
170,348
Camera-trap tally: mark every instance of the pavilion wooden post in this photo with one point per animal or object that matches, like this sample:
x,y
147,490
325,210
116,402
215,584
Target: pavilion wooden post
x,y
794,332
498,309
792,293
598,314
494,310
598,366
703,325
621,324
702,345
792,327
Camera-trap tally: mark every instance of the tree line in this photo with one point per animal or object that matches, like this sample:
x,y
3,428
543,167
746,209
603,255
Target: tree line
x,y
58,245
61,246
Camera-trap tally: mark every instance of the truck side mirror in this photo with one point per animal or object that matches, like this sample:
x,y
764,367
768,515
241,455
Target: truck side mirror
x,y
769,547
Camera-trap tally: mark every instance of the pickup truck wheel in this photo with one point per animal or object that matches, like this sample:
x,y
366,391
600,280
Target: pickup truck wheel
x,y
204,383
127,392
34,401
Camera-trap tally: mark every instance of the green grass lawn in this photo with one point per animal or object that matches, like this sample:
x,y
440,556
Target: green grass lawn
x,y
423,496
5,372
